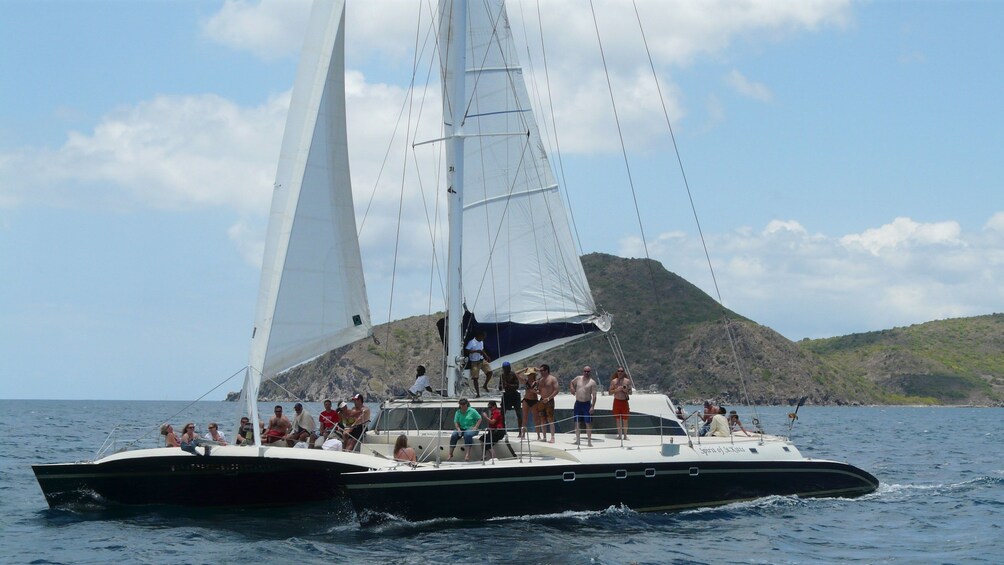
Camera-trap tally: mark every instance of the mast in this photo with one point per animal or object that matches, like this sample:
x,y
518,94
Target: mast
x,y
456,11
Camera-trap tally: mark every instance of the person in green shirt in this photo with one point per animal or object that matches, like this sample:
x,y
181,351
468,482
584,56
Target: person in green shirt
x,y
467,420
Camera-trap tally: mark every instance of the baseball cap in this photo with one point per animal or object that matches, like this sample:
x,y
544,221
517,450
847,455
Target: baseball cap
x,y
506,364
357,396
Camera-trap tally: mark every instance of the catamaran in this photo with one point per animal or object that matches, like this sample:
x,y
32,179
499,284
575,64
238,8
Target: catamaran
x,y
507,223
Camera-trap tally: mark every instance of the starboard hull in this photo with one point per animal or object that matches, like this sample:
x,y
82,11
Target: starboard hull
x,y
518,490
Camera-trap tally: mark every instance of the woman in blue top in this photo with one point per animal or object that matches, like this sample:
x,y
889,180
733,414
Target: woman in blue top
x,y
466,421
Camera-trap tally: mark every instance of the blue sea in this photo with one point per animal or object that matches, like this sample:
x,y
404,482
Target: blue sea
x,y
941,500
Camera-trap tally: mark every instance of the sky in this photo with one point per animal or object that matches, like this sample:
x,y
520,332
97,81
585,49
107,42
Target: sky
x,y
843,159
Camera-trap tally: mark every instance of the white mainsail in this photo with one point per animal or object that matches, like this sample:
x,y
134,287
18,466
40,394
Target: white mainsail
x,y
312,295
522,277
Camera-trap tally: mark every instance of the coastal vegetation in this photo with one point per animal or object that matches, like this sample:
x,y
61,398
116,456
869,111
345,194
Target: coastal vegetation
x,y
675,341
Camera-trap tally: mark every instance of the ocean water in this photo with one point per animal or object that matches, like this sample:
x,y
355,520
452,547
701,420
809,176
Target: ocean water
x,y
941,500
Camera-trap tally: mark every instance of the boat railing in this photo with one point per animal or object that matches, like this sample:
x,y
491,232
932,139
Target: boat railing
x,y
108,444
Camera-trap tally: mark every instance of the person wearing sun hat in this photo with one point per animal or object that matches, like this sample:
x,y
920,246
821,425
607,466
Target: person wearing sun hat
x,y
360,414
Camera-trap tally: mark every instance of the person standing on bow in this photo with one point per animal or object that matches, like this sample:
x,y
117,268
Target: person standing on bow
x,y
548,387
466,422
584,389
509,382
620,388
478,360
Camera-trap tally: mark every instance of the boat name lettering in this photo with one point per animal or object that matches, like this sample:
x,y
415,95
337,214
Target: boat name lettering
x,y
721,450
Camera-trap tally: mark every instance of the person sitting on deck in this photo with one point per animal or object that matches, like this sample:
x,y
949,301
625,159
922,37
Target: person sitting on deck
x,y
421,384
735,425
496,427
360,415
303,427
466,422
190,439
710,410
278,427
719,426
335,440
404,453
326,422
215,435
245,432
170,438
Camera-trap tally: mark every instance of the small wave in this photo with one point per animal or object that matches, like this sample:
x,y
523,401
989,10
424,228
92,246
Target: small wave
x,y
756,505
887,489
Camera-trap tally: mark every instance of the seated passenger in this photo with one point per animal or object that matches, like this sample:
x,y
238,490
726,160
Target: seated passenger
x,y
496,427
421,384
735,424
278,427
710,410
170,438
215,435
360,415
326,423
402,452
245,433
719,426
303,427
189,439
466,422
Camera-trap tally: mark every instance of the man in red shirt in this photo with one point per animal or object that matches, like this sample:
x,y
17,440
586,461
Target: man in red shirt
x,y
327,420
496,427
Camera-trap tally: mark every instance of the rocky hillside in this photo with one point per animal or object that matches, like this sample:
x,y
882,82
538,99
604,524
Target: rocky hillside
x,y
676,339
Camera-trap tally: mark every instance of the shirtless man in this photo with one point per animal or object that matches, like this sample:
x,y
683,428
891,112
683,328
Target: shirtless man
x,y
548,389
360,415
710,411
584,389
278,427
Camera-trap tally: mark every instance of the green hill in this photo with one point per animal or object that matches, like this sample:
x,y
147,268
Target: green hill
x,y
955,361
674,340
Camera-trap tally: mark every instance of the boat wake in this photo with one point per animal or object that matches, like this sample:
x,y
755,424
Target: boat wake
x,y
901,491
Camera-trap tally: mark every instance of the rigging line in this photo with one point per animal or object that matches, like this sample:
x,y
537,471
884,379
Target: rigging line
x,y
397,124
400,204
430,223
187,406
620,135
690,197
554,128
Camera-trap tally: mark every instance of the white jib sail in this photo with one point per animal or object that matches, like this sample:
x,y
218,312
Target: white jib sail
x,y
312,296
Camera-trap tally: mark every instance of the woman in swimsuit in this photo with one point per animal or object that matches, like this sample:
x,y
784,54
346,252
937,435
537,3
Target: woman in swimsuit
x,y
530,399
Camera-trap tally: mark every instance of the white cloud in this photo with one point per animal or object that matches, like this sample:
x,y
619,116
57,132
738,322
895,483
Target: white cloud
x,y
172,152
748,88
811,285
904,232
270,28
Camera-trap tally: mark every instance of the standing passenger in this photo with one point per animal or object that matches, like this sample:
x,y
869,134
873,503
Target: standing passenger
x,y
530,406
478,360
509,381
584,389
548,390
620,388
